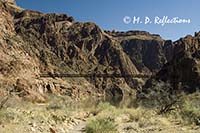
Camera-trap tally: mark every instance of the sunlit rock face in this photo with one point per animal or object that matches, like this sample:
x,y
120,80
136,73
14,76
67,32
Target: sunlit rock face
x,y
10,1
33,43
56,43
6,20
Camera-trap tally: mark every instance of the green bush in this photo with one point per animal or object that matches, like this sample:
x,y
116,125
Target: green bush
x,y
101,107
103,122
190,109
101,125
6,117
160,96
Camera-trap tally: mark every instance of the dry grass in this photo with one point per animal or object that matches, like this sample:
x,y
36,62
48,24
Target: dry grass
x,y
105,119
188,111
107,114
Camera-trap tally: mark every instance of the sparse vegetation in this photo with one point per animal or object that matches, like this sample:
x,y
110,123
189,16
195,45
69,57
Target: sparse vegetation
x,y
166,101
103,122
31,45
6,116
110,115
101,125
3,102
161,96
189,109
102,118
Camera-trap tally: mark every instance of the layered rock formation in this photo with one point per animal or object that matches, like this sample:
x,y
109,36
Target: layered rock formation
x,y
66,46
183,71
20,69
33,43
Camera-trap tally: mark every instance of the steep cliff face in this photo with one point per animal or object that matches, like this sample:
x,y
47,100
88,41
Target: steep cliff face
x,y
66,46
20,67
149,52
185,63
6,23
14,61
38,43
183,71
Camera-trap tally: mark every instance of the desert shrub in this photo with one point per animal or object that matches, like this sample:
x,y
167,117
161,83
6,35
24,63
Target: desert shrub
x,y
105,106
145,117
190,113
189,110
101,107
109,117
101,125
103,122
6,116
160,96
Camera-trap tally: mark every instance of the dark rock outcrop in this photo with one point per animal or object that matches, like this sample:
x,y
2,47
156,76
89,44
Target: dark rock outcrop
x,y
183,71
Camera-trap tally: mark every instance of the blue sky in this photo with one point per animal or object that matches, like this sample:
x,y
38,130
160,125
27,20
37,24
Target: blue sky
x,y
109,14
